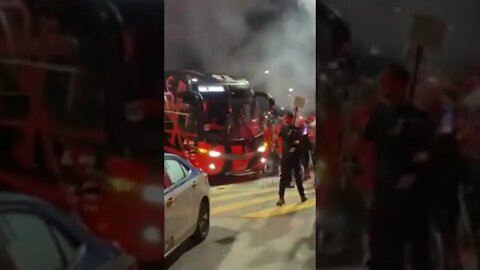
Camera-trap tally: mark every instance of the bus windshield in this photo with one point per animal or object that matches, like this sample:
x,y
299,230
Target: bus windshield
x,y
234,117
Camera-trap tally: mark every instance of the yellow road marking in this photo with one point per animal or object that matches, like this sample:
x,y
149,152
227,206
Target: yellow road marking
x,y
281,210
241,194
221,190
247,203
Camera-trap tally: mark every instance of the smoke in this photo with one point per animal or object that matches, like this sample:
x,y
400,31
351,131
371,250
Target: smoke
x,y
228,36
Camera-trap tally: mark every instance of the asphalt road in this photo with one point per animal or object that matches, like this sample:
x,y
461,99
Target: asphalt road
x,y
248,231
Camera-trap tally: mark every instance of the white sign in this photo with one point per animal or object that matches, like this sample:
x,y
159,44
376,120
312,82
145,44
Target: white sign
x,y
428,31
298,102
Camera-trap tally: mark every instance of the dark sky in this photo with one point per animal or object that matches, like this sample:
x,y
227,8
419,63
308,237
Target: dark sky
x,y
384,25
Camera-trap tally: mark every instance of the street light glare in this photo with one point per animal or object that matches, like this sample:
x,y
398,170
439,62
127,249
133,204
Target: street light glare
x,y
290,90
267,71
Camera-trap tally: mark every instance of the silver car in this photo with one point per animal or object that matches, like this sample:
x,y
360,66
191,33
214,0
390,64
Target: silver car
x,y
187,202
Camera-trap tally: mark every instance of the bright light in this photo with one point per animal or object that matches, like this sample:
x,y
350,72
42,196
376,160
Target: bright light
x,y
216,89
211,89
267,71
212,166
262,149
283,108
202,150
263,160
290,90
152,194
122,185
214,154
194,80
152,234
289,95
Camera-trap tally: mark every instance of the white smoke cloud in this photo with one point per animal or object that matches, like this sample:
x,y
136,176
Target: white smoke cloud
x,y
217,34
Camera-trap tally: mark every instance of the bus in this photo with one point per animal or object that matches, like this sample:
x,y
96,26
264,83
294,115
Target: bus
x,y
69,72
217,122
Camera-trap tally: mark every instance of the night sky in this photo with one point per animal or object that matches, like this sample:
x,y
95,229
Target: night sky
x,y
383,25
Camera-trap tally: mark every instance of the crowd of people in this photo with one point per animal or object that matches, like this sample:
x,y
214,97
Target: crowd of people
x,y
425,150
417,161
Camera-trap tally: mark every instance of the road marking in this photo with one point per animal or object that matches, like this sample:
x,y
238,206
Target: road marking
x,y
241,194
227,189
219,190
247,203
283,210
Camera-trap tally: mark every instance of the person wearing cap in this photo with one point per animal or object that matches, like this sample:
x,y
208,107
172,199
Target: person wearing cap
x,y
290,161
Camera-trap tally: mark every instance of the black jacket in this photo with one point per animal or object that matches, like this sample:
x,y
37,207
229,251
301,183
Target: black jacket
x,y
398,133
291,136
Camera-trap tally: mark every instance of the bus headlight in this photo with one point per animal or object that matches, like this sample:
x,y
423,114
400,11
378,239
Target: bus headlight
x,y
214,154
262,149
153,194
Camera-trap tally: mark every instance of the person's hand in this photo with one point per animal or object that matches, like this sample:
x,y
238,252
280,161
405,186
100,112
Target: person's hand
x,y
420,157
405,182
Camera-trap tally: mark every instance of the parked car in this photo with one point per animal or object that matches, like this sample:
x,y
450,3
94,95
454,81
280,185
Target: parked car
x,y
35,235
187,202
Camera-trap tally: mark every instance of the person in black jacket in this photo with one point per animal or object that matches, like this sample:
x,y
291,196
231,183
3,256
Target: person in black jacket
x,y
399,212
290,161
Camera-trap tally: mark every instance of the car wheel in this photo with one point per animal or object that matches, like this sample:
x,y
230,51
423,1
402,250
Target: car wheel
x,y
203,222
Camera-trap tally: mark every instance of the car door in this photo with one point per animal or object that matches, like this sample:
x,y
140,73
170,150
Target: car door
x,y
167,229
27,242
178,202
